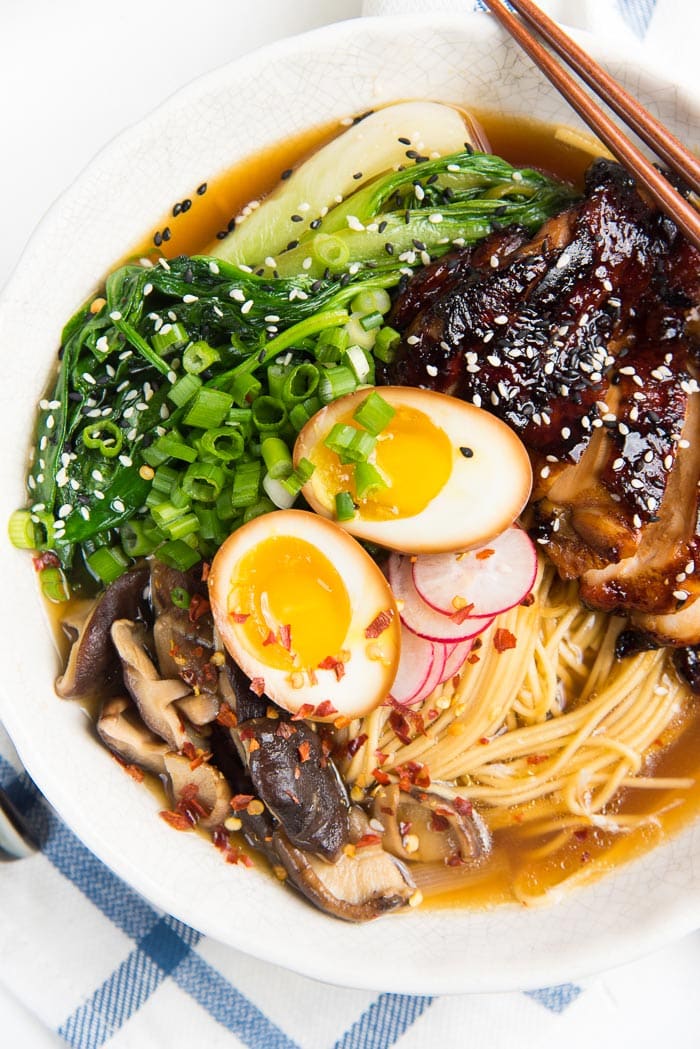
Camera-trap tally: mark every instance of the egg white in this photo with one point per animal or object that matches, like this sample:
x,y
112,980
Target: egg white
x,y
366,681
482,497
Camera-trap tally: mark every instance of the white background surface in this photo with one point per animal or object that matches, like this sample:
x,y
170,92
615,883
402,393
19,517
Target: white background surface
x,y
72,75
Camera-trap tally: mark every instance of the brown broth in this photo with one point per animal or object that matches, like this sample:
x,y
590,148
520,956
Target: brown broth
x,y
522,142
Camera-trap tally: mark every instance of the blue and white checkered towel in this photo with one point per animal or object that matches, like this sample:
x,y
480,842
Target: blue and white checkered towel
x,y
85,961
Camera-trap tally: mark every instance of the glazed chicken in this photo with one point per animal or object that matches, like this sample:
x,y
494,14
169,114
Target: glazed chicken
x,y
585,340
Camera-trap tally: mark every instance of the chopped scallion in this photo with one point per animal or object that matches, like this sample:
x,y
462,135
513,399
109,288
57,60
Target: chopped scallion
x,y
374,413
344,506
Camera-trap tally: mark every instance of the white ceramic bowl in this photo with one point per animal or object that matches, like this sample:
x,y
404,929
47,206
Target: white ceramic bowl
x,y
263,98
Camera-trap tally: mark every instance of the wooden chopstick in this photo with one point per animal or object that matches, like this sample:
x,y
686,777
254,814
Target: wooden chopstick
x,y
666,196
650,130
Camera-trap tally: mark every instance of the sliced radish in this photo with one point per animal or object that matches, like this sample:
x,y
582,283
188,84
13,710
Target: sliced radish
x,y
456,657
491,579
435,677
418,616
416,666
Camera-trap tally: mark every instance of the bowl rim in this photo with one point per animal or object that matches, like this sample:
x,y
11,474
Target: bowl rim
x,y
679,914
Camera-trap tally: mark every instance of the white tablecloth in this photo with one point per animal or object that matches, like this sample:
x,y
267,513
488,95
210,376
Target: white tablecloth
x,y
83,960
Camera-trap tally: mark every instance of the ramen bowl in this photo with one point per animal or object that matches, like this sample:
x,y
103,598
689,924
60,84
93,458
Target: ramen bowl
x,y
270,96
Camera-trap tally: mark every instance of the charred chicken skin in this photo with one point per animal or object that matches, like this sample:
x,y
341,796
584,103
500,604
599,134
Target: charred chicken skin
x,y
586,340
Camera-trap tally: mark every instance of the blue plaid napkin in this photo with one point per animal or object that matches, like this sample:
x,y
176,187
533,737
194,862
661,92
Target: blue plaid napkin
x,y
85,961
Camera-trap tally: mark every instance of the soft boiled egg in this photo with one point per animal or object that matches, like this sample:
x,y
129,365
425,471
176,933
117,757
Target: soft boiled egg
x,y
307,614
445,475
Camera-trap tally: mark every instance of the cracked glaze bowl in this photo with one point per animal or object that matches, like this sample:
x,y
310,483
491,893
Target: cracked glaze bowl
x,y
265,97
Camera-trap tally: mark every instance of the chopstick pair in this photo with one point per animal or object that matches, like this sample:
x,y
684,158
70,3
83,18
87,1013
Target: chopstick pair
x,y
656,136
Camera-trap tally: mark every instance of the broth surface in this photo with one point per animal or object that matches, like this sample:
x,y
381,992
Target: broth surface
x,y
523,143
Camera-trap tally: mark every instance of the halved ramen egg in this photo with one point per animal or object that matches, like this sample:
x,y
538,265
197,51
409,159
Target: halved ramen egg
x,y
307,614
414,470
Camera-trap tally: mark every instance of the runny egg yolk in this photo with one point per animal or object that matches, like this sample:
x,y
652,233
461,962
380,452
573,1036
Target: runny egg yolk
x,y
413,455
297,606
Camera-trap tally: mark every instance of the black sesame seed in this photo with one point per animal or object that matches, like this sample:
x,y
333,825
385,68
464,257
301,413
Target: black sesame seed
x,y
315,223
188,275
186,204
382,226
467,452
74,396
158,239
411,154
316,285
260,272
166,233
344,280
419,245
432,180
231,225
357,175
286,173
468,148
261,356
177,208
222,234
201,189
297,218
389,248
405,141
292,244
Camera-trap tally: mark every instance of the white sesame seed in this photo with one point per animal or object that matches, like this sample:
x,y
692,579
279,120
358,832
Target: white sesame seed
x,y
413,340
115,315
637,521
237,295
431,370
354,223
500,319
190,298
147,289
476,400
493,262
118,506
680,595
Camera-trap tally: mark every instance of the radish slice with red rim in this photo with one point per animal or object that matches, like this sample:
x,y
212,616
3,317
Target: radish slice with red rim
x,y
489,580
416,667
456,657
435,677
419,617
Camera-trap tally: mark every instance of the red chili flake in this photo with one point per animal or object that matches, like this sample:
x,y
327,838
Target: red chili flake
x,y
286,636
131,770
254,745
404,826
461,614
422,778
285,731
239,617
304,751
503,640
325,709
241,801
257,685
536,759
270,639
581,834
400,726
463,806
189,750
355,744
304,711
381,756
206,568
188,804
477,643
368,839
473,658
176,819
200,759
336,665
226,716
245,859
45,560
220,837
381,777
528,600
482,555
247,733
484,740
342,722
455,860
199,606
379,624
